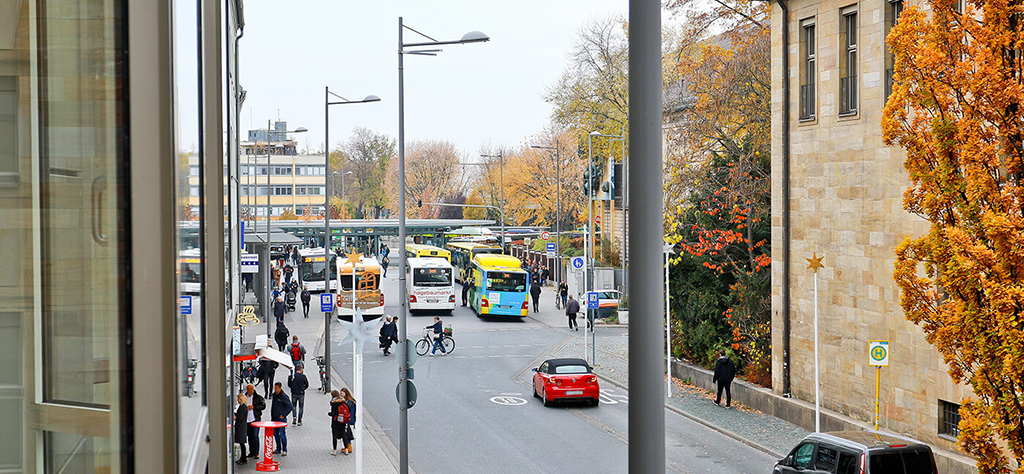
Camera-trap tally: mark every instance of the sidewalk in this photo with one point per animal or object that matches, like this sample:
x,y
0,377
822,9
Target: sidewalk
x,y
764,432
309,445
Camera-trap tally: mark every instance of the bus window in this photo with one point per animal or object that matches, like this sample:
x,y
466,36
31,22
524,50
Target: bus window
x,y
190,271
364,281
432,277
503,281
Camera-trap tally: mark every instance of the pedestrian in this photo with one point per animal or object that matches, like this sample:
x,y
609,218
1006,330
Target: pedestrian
x,y
545,274
384,262
725,371
535,294
281,336
288,271
256,406
241,427
571,308
298,383
295,255
563,292
280,408
266,374
385,251
388,334
350,403
467,283
339,421
280,309
305,297
247,279
438,336
298,351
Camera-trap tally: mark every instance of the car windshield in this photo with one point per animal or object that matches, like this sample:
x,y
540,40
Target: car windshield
x,y
432,277
572,369
911,461
506,281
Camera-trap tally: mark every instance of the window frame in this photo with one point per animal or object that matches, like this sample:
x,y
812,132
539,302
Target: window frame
x,y
808,70
849,25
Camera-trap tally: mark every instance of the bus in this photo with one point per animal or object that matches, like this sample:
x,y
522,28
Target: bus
x,y
420,250
429,284
463,254
369,296
190,269
311,270
501,287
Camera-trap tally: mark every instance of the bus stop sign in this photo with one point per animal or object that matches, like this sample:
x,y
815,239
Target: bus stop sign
x,y
326,302
592,301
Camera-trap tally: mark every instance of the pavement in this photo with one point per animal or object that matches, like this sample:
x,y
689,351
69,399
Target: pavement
x,y
309,445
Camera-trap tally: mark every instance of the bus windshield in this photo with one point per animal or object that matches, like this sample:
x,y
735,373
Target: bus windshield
x,y
190,272
506,281
314,271
432,277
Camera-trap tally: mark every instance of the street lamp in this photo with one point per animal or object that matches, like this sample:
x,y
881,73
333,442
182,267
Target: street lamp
x,y
327,212
268,276
403,353
558,198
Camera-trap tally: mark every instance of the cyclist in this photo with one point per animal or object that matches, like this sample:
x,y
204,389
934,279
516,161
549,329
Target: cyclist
x,y
438,335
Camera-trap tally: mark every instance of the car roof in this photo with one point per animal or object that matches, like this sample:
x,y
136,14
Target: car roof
x,y
566,361
867,439
428,262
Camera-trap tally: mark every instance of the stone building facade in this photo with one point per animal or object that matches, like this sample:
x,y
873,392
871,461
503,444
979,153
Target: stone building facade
x,y
845,190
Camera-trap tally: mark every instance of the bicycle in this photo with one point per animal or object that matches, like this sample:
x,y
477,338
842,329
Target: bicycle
x,y
427,342
323,373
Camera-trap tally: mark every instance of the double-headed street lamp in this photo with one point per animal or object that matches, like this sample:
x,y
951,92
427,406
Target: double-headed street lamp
x,y
268,277
403,353
327,212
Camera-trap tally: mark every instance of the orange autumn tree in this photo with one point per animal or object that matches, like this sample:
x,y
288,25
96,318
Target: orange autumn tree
x,y
956,108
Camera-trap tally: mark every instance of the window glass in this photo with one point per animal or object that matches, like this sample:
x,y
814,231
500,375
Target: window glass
x,y
827,458
572,369
506,281
802,455
9,125
849,463
432,277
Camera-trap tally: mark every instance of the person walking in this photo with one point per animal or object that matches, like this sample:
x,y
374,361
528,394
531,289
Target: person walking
x,y
384,262
339,421
388,334
295,255
298,383
725,371
266,374
349,437
535,294
288,271
305,297
297,351
241,427
280,309
545,274
438,335
563,292
280,408
571,308
281,336
256,406
467,283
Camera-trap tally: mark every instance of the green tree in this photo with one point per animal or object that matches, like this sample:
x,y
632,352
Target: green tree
x,y
366,154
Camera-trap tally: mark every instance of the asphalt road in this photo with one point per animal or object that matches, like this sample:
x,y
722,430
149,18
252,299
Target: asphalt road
x,y
475,410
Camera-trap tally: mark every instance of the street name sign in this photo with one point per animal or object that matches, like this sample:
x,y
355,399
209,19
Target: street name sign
x,y
250,263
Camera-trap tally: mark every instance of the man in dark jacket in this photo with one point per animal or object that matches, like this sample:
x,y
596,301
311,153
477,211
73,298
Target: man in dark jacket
x,y
535,294
725,371
288,270
280,309
388,334
266,374
281,337
305,297
467,283
571,308
298,383
256,404
279,410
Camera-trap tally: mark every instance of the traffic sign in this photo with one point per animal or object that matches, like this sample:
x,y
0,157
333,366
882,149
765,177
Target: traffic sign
x,y
508,401
592,301
550,247
410,353
577,263
250,263
597,219
326,302
412,393
526,241
185,302
545,235
878,353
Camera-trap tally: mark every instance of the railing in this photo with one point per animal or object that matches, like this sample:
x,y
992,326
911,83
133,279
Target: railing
x,y
806,101
848,95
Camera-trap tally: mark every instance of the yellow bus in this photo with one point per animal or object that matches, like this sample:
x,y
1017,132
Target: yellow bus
x,y
462,255
501,287
426,251
369,296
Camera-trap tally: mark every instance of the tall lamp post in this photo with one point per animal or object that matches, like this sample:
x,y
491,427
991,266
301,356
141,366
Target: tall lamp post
x,y
558,200
327,212
267,275
501,183
417,48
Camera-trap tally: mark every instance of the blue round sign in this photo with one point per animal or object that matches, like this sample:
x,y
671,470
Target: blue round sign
x,y
577,262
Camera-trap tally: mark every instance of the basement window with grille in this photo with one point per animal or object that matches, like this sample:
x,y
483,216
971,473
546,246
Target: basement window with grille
x,y
949,420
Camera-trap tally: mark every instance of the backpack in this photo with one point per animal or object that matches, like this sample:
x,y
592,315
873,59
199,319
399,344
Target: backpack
x,y
344,415
296,351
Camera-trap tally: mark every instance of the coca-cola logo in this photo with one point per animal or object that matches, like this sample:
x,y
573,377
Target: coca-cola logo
x,y
268,447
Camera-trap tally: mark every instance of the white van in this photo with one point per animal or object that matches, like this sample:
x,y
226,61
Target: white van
x,y
430,285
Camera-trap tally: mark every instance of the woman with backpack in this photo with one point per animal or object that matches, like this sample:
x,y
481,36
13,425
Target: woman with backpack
x,y
350,403
339,421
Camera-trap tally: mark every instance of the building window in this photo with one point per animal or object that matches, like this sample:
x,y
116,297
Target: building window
x,y
848,61
807,69
949,419
893,8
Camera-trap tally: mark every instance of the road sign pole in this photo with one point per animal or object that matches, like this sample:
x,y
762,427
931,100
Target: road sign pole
x,y
878,390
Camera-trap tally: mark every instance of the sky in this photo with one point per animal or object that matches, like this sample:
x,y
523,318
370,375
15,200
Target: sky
x,y
473,95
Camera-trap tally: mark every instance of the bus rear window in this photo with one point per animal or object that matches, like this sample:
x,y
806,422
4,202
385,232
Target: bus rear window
x,y
910,461
364,281
432,277
503,281
190,272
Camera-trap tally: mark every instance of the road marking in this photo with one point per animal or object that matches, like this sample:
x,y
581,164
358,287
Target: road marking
x,y
508,401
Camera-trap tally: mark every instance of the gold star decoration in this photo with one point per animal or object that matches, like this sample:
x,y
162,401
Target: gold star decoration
x,y
354,258
814,262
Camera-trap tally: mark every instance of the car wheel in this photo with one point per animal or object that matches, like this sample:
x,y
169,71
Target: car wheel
x,y
595,402
547,402
535,391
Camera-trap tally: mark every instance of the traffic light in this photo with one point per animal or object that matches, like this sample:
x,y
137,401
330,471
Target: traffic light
x,y
419,203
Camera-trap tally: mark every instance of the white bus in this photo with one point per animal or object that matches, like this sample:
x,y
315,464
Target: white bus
x,y
190,270
430,285
311,270
369,295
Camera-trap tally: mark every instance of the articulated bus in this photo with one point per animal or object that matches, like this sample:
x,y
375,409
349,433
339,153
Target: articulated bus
x,y
501,286
429,284
190,267
419,250
463,254
311,270
369,296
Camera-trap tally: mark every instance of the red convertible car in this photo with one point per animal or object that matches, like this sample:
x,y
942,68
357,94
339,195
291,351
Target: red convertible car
x,y
559,380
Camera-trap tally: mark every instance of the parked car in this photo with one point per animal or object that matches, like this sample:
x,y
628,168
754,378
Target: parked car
x,y
607,302
858,452
559,380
